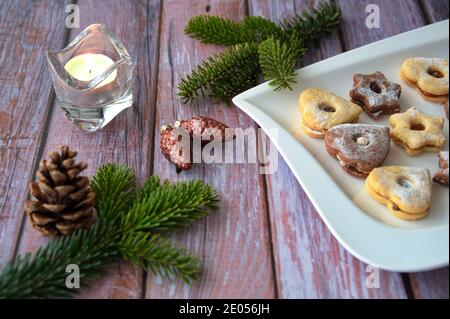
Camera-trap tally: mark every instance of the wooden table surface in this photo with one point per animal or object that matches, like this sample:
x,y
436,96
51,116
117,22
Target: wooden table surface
x,y
267,240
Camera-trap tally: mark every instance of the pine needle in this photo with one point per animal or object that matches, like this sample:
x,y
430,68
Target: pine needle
x,y
223,75
314,23
44,274
170,206
278,60
237,69
127,221
217,30
156,253
114,187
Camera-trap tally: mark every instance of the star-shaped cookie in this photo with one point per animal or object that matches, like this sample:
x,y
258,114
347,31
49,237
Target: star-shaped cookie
x,y
417,132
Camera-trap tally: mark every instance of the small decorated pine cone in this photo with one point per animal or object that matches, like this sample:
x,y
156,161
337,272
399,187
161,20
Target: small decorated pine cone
x,y
64,201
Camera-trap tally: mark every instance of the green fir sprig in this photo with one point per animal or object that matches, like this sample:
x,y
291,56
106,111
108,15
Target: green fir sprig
x,y
217,30
259,45
130,226
221,75
278,60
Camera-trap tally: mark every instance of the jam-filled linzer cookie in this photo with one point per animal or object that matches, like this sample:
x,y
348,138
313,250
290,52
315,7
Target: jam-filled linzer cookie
x,y
359,148
429,76
406,191
417,132
441,177
376,94
321,110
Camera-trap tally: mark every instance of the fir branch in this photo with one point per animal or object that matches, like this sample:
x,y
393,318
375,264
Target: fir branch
x,y
126,217
313,24
114,186
44,275
278,60
237,69
260,28
217,30
170,206
223,75
151,251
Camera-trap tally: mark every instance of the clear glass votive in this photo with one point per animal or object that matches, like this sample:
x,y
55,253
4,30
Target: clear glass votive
x,y
92,77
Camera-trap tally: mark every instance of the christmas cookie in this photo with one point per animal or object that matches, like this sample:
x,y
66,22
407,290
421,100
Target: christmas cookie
x,y
441,177
429,76
359,148
376,94
321,110
406,191
417,132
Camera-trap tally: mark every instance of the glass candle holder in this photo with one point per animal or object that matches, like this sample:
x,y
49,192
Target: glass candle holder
x,y
92,78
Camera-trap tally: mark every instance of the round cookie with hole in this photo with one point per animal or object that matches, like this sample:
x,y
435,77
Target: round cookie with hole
x,y
321,110
429,76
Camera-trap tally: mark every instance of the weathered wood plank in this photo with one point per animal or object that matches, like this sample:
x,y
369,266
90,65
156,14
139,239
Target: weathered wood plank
x,y
432,284
435,10
27,30
233,243
309,261
393,20
128,138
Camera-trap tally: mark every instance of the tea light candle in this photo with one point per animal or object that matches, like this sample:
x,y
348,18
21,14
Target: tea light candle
x,y
85,67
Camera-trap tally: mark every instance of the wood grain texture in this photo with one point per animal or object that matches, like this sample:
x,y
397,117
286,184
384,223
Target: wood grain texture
x,y
309,262
435,10
128,139
27,30
395,17
233,243
430,284
254,246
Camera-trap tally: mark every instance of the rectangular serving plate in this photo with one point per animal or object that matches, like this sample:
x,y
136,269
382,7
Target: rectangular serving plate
x,y
363,226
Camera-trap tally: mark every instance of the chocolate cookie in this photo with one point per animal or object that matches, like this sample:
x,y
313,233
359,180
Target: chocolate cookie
x,y
376,94
441,177
359,147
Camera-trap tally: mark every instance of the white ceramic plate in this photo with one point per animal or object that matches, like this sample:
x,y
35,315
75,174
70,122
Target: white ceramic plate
x,y
362,226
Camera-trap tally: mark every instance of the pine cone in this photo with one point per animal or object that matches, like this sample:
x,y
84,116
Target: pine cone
x,y
64,201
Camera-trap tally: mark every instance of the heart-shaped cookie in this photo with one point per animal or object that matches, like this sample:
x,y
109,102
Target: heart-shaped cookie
x,y
358,147
321,110
405,190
